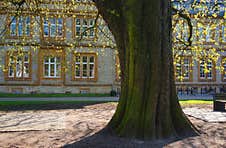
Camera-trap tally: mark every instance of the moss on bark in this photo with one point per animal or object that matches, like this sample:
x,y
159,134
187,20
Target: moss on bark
x,y
148,106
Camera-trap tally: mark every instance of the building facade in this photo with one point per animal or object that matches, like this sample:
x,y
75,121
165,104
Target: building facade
x,y
61,46
57,47
200,63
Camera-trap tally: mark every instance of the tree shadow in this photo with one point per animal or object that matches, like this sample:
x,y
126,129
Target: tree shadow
x,y
107,139
47,106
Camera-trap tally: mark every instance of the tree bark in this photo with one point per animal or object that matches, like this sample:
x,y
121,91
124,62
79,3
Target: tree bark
x,y
148,107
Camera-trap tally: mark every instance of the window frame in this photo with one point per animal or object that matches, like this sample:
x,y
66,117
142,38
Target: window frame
x,y
82,18
209,32
182,66
24,26
74,63
15,56
206,79
223,34
45,52
49,25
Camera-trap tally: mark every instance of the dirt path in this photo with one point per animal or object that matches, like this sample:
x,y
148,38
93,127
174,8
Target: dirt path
x,y
80,127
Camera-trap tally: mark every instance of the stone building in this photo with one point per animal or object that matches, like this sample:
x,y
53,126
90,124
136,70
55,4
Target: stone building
x,y
200,66
64,46
56,47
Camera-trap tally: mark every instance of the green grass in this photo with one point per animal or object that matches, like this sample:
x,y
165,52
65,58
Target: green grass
x,y
6,95
43,105
9,103
193,102
38,102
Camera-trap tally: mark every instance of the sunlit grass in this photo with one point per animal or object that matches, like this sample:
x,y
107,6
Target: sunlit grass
x,y
193,102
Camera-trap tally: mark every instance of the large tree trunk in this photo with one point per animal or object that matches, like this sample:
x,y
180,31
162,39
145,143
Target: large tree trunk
x,y
148,106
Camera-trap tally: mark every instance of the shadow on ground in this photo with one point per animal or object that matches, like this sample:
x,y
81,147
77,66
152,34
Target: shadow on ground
x,y
52,106
107,139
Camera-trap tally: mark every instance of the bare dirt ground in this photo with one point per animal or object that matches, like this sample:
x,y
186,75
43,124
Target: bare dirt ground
x,y
82,126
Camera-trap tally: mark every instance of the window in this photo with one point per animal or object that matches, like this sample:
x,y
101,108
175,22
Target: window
x,y
185,31
181,30
52,67
202,70
206,69
53,27
200,32
20,26
84,28
85,66
51,63
183,69
206,32
224,69
177,31
210,32
223,34
18,65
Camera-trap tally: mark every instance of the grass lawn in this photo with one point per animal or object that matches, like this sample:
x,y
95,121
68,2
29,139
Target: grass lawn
x,y
6,95
37,102
9,103
194,102
43,105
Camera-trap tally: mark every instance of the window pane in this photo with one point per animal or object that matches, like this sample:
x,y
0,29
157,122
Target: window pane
x,y
20,26
60,31
84,59
52,60
26,70
77,59
178,70
78,31
186,68
60,27
77,70
11,71
46,60
26,59
224,72
27,29
46,70
223,33
58,60
52,71
84,70
13,26
91,59
209,67
46,28
19,67
78,22
52,27
202,68
91,70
